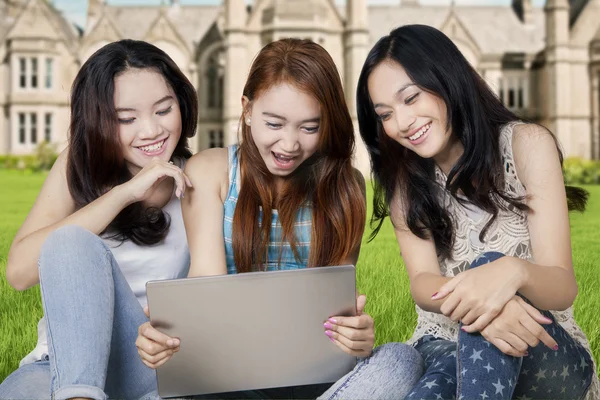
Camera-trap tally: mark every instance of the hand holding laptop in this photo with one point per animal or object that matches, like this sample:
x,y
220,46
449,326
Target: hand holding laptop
x,y
154,347
353,335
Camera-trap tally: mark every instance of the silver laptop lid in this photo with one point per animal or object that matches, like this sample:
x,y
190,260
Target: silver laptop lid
x,y
252,331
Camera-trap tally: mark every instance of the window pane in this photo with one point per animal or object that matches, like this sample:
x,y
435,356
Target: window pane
x,y
34,72
22,73
511,98
33,128
22,128
48,128
48,73
211,139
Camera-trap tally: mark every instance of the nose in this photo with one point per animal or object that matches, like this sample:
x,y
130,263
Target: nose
x,y
149,129
289,142
405,119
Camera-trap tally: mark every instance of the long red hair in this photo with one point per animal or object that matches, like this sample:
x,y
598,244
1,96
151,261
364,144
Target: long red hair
x,y
326,181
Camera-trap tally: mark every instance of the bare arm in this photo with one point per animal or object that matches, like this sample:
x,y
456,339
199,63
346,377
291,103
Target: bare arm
x,y
203,212
549,283
53,208
420,259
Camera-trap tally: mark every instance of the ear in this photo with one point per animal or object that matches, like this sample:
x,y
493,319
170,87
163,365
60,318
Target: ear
x,y
246,110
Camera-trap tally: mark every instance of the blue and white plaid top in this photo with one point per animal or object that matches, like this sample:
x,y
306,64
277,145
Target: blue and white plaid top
x,y
302,226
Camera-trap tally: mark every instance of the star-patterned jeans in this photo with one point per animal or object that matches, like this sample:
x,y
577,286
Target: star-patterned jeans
x,y
472,368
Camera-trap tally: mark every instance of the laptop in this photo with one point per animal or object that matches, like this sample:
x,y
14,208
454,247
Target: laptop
x,y
250,331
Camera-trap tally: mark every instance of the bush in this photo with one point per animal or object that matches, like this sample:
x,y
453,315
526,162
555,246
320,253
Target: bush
x,y
578,171
42,160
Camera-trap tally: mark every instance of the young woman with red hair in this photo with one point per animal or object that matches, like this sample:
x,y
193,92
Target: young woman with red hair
x,y
286,197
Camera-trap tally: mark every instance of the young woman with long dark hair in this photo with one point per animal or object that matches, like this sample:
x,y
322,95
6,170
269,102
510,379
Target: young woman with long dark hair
x,y
107,220
480,212
287,197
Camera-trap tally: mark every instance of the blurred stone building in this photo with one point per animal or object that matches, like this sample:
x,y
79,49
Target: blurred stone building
x,y
543,63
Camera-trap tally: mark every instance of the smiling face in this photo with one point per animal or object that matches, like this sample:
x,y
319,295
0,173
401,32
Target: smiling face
x,y
414,118
284,123
149,117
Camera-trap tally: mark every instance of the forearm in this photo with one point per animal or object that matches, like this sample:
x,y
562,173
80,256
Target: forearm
x,y
22,263
548,287
423,286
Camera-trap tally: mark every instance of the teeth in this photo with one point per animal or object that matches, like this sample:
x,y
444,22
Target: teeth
x,y
283,158
420,133
152,148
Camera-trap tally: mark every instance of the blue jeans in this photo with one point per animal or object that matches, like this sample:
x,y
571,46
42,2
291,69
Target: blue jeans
x,y
473,368
92,321
389,373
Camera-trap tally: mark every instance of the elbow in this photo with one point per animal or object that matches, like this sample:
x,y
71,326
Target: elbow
x,y
570,295
567,297
16,281
16,278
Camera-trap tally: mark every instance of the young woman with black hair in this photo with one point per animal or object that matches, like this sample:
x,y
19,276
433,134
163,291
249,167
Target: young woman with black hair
x,y
107,220
480,212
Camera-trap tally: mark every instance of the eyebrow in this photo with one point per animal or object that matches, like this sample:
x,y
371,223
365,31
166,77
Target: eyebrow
x,y
269,114
167,97
398,93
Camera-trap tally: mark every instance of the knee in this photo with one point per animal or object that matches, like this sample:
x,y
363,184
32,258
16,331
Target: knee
x,y
486,258
70,242
400,356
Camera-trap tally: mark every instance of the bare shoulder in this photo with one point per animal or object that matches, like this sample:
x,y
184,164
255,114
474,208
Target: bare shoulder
x,y
535,149
528,138
208,163
209,169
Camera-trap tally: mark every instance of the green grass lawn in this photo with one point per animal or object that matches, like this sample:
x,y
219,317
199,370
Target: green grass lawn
x,y
381,276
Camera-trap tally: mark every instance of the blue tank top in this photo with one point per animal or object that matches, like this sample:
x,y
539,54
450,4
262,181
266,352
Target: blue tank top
x,y
275,247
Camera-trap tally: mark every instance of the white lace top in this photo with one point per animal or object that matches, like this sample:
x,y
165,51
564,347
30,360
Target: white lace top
x,y
508,234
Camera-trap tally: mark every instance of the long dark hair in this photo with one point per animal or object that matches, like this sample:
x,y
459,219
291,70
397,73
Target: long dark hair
x,y
327,179
474,114
95,163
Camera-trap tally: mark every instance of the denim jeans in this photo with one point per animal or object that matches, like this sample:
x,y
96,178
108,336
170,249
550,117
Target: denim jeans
x,y
92,320
389,373
473,368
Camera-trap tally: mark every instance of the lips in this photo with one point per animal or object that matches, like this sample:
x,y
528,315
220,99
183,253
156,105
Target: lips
x,y
283,161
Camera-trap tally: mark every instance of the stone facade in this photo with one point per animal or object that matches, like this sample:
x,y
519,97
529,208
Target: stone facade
x,y
543,63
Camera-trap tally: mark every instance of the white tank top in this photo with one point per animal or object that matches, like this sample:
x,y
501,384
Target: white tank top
x,y
169,259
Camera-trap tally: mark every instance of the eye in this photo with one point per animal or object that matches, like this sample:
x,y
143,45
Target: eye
x,y
272,125
165,112
311,129
126,121
384,117
411,99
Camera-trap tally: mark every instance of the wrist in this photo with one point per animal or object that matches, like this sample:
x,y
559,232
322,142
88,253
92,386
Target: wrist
x,y
121,195
520,271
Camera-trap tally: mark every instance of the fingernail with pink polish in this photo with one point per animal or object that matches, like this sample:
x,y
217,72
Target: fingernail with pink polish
x,y
327,325
526,353
555,347
435,294
332,320
332,339
329,333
